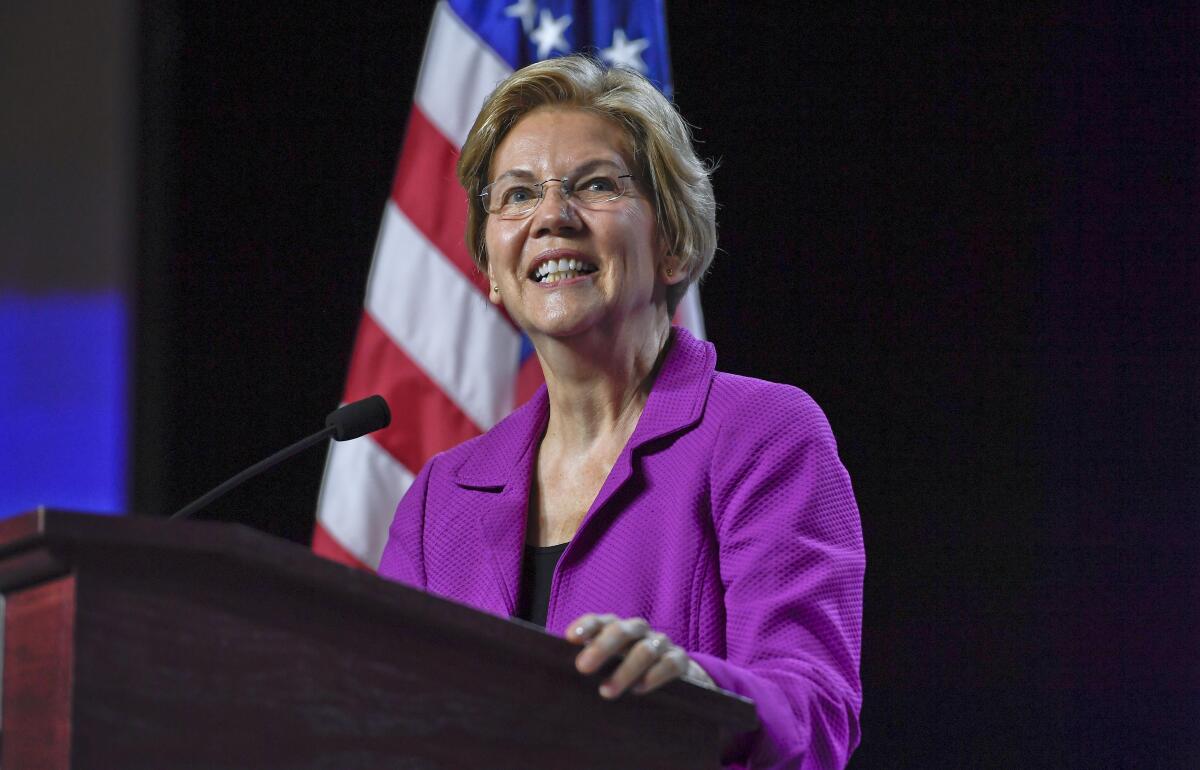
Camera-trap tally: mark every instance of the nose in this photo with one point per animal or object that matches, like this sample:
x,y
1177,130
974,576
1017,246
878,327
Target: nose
x,y
555,213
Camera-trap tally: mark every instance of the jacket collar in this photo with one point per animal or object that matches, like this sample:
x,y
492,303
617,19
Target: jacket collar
x,y
501,456
501,460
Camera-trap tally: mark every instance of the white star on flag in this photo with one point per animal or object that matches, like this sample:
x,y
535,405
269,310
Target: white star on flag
x,y
625,52
549,34
524,10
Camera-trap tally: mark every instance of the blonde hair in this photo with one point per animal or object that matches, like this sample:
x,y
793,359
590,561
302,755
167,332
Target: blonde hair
x,y
661,141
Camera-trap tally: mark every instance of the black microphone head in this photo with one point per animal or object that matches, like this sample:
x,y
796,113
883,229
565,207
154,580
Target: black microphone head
x,y
359,418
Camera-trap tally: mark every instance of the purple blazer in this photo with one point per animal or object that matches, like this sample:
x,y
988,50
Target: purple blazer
x,y
728,523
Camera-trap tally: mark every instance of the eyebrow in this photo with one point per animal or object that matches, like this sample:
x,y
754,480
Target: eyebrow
x,y
575,173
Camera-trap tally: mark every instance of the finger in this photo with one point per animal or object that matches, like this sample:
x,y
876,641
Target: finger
x,y
672,665
640,658
587,626
614,638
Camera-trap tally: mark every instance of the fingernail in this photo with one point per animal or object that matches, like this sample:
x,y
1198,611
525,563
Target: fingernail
x,y
607,690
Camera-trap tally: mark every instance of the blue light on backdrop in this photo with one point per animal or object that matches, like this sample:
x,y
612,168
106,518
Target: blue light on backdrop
x,y
63,372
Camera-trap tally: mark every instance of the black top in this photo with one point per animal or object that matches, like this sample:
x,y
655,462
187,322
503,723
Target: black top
x,y
537,570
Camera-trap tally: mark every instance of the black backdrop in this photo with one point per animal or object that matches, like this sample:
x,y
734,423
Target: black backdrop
x,y
970,235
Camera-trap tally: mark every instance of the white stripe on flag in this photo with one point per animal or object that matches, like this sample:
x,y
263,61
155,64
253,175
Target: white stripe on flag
x,y
429,309
457,74
688,314
359,493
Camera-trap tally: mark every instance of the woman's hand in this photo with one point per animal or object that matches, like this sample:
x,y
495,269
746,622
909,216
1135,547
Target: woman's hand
x,y
650,659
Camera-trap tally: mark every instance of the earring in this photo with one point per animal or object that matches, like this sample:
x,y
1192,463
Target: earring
x,y
495,289
670,271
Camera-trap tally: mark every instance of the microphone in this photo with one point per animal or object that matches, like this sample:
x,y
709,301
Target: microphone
x,y
358,418
344,423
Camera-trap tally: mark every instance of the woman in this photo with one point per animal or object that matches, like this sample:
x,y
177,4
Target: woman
x,y
696,523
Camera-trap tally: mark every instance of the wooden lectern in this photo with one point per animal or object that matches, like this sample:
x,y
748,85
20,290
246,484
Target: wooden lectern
x,y
133,642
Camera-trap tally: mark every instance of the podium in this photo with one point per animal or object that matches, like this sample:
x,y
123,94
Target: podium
x,y
134,642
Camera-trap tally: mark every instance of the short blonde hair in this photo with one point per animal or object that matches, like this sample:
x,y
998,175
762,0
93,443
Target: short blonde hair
x,y
661,141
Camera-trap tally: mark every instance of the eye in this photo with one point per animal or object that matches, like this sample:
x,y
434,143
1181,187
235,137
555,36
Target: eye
x,y
598,184
516,195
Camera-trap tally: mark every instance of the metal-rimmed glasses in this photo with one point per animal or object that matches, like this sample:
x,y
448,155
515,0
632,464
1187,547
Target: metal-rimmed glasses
x,y
516,198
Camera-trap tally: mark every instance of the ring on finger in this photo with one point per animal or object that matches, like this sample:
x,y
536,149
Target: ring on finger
x,y
656,643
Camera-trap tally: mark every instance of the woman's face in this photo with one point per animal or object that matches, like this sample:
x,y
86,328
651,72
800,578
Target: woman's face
x,y
623,266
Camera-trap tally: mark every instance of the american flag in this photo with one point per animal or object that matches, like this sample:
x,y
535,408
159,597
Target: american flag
x,y
450,364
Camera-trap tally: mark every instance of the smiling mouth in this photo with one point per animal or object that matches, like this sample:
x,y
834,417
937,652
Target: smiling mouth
x,y
554,270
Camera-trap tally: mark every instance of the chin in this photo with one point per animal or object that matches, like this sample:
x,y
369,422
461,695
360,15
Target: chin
x,y
564,319
564,325
563,328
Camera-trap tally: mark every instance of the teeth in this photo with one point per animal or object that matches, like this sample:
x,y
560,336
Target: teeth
x,y
559,275
551,268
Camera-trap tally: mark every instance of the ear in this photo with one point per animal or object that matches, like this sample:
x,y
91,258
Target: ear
x,y
493,287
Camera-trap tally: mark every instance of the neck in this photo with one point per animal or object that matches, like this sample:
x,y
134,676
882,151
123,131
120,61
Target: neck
x,y
598,382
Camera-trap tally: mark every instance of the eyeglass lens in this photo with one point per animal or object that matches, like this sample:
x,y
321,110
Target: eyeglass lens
x,y
515,197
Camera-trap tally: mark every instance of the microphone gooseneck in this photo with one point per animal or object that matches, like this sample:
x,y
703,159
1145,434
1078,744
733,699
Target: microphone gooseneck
x,y
344,423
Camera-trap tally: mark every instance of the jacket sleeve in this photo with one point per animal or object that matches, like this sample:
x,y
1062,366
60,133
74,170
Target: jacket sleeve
x,y
792,565
403,557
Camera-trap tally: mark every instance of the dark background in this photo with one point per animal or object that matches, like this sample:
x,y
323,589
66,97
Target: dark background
x,y
971,235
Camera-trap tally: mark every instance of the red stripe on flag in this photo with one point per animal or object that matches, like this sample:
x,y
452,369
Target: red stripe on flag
x,y
529,378
324,544
427,190
425,420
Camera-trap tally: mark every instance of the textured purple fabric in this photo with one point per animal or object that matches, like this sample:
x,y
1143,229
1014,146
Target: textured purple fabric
x,y
728,523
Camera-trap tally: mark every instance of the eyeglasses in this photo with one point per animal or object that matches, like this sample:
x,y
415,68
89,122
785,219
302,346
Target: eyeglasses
x,y
517,198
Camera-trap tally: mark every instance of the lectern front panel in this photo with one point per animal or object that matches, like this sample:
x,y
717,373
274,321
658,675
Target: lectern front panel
x,y
35,715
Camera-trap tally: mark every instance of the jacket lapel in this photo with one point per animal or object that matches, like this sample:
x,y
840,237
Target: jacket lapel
x,y
676,403
500,466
